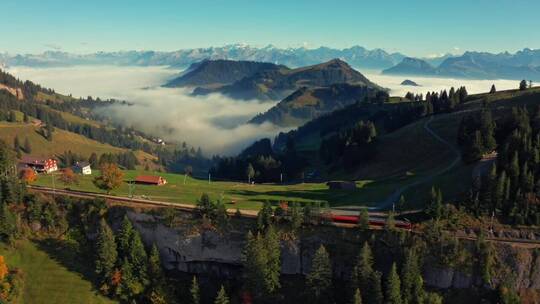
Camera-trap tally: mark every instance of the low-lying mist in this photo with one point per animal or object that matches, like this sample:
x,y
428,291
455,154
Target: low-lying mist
x,y
430,84
214,122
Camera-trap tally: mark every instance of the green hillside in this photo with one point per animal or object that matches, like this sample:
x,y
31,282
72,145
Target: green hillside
x,y
51,274
62,141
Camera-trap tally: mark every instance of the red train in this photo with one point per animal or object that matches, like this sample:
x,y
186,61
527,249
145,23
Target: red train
x,y
373,221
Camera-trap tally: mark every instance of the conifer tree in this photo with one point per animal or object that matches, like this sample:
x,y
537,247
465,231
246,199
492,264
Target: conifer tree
x,y
409,274
523,85
435,204
357,299
138,258
393,287
27,146
106,253
255,261
222,297
155,271
363,220
195,292
264,217
319,280
273,252
375,295
493,89
124,237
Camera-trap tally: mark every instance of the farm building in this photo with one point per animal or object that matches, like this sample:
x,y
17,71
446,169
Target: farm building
x,y
150,180
41,165
82,168
341,185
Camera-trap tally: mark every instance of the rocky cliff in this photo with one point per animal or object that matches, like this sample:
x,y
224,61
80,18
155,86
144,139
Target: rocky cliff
x,y
188,249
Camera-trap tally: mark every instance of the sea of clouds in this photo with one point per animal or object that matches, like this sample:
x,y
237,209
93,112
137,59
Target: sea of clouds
x,y
215,123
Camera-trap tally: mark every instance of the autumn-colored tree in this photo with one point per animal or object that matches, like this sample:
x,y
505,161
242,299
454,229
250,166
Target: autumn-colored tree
x,y
3,269
68,177
28,175
110,178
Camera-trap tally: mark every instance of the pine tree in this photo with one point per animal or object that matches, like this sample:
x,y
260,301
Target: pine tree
x,y
375,295
523,85
255,262
138,258
357,299
363,219
393,287
273,268
493,89
124,237
155,271
390,224
16,143
27,146
195,292
106,254
222,297
409,275
319,280
264,217
434,208
363,270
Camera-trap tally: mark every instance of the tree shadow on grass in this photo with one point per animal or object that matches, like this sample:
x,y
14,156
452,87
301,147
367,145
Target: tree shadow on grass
x,y
67,255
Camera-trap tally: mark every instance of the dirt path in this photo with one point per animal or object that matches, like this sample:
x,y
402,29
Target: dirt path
x,y
394,197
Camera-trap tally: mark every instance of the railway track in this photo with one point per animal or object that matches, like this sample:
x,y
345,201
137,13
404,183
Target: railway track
x,y
244,213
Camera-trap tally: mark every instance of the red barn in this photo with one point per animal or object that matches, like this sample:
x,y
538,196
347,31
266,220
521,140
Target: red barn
x,y
42,165
150,180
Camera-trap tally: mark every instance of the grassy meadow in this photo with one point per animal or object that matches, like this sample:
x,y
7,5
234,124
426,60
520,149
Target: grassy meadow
x,y
51,274
237,194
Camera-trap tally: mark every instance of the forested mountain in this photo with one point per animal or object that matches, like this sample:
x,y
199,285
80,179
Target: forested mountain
x,y
306,104
216,73
279,83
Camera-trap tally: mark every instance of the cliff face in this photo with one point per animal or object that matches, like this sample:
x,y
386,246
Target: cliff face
x,y
188,250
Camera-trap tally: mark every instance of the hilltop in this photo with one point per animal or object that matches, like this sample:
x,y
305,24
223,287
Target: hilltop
x,y
411,66
279,83
306,104
217,73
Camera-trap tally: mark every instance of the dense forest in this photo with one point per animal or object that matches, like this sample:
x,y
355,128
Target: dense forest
x,y
510,186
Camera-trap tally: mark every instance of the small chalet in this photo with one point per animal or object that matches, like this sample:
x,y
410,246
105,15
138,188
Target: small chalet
x,y
82,168
40,165
150,180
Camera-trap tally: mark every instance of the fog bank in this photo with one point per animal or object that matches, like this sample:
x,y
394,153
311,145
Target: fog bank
x,y
214,122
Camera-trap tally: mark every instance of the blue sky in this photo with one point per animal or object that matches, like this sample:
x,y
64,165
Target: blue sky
x,y
417,28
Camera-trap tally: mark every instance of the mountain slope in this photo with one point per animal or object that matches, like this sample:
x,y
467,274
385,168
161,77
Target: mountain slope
x,y
306,104
215,73
411,66
524,64
358,56
277,84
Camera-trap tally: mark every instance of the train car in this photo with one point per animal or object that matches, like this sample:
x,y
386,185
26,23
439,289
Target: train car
x,y
373,221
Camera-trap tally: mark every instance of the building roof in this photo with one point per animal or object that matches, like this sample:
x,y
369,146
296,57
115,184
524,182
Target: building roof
x,y
34,160
148,179
82,164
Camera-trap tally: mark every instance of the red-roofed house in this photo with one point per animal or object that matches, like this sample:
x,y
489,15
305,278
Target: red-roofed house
x,y
43,165
150,180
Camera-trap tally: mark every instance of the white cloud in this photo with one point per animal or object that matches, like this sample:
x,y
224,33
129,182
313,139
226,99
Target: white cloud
x,y
214,122
429,84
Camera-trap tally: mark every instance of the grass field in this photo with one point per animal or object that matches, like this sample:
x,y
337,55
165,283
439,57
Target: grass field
x,y
244,195
62,141
52,274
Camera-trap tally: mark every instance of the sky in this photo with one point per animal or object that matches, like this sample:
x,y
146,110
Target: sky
x,y
415,28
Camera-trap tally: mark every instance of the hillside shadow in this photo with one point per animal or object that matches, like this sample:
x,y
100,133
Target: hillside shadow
x,y
68,256
333,197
